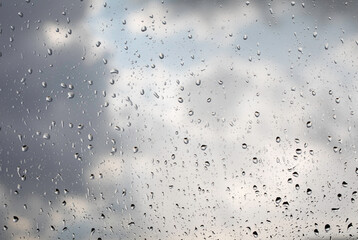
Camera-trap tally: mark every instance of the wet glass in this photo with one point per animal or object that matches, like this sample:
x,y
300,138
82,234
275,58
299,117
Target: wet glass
x,y
178,119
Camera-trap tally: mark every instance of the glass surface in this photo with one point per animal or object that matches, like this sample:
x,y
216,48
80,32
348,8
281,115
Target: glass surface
x,y
178,119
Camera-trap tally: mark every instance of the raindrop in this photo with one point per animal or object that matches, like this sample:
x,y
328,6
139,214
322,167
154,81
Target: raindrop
x,y
203,147
48,99
114,71
309,124
70,95
49,51
309,191
24,148
98,44
15,219
278,139
245,37
326,46
161,55
135,149
143,29
327,227
46,136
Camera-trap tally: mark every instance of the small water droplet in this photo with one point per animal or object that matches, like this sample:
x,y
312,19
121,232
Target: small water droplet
x,y
327,227
135,149
161,55
98,43
309,191
114,71
70,95
46,136
48,99
143,29
24,148
15,219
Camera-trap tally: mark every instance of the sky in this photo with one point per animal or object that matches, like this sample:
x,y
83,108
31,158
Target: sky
x,y
178,119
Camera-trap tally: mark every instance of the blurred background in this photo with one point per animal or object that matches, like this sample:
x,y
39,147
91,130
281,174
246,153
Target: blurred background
x,y
178,119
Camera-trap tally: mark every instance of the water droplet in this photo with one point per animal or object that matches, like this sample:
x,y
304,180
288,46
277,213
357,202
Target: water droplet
x,y
70,95
15,219
309,191
203,147
257,114
198,82
135,149
114,71
20,14
49,51
98,44
245,37
278,139
309,124
161,55
143,29
180,100
326,46
49,99
278,200
186,140
244,146
327,227
46,136
24,148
